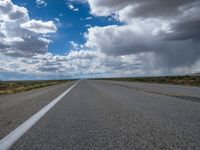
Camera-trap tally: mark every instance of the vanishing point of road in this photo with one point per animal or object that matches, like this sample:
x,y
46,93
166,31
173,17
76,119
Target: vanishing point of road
x,y
92,114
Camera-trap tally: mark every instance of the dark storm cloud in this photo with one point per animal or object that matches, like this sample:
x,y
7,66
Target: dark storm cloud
x,y
141,8
178,54
117,64
184,30
167,28
160,8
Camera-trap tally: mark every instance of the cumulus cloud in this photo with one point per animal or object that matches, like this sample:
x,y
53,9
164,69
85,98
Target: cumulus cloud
x,y
10,12
156,37
143,8
39,26
167,29
81,63
118,40
18,33
75,64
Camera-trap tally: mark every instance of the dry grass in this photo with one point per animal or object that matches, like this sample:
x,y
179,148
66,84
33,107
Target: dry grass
x,y
11,87
178,80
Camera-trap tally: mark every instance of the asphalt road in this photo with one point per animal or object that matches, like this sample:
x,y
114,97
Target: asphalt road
x,y
17,108
107,115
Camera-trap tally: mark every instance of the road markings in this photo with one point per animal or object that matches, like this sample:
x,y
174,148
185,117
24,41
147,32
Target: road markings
x,y
12,137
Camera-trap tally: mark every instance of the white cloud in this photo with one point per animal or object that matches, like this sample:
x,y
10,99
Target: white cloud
x,y
12,13
88,25
71,7
74,45
148,42
41,3
119,40
82,1
88,18
168,29
57,19
85,63
18,33
39,26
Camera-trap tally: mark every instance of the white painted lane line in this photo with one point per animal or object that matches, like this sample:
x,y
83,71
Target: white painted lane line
x,y
12,137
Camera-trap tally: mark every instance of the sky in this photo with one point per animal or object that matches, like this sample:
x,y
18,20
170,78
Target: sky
x,y
64,39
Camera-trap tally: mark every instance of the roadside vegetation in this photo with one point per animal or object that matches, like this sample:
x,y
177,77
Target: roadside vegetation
x,y
179,80
11,87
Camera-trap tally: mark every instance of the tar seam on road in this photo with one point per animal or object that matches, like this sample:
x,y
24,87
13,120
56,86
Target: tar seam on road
x,y
12,137
176,95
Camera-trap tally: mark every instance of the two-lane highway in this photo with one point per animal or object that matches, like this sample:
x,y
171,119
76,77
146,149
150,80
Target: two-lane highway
x,y
111,115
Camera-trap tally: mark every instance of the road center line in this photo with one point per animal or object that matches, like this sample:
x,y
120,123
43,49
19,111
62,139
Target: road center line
x,y
13,136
